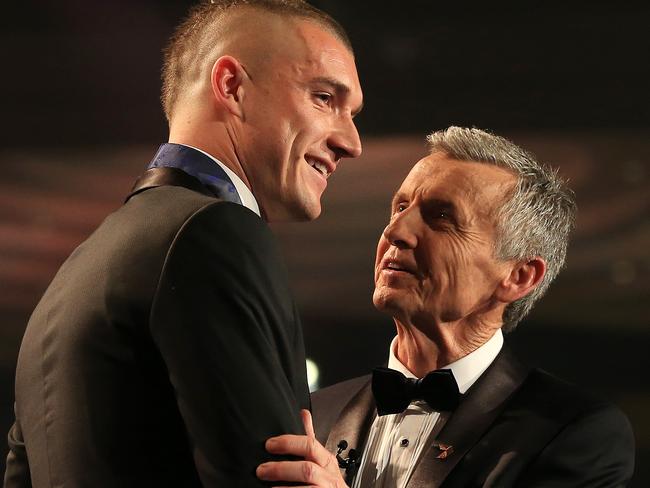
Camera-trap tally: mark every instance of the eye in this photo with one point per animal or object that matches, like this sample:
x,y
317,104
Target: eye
x,y
439,212
400,207
323,97
441,218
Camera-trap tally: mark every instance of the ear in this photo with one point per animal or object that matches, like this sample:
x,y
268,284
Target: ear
x,y
227,78
522,280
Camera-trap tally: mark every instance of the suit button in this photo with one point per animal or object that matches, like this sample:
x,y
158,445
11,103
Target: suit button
x,y
404,442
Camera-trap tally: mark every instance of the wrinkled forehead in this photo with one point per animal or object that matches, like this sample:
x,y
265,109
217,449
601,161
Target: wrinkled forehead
x,y
481,187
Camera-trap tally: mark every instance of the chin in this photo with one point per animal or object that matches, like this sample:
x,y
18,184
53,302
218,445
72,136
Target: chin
x,y
313,214
400,304
293,212
304,215
386,302
308,211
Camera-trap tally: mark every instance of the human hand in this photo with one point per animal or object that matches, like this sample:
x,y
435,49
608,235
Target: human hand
x,y
319,467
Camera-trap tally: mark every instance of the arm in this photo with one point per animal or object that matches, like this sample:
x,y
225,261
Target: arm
x,y
225,325
17,471
595,450
319,467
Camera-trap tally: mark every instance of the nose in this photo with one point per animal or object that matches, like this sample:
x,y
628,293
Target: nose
x,y
399,231
344,141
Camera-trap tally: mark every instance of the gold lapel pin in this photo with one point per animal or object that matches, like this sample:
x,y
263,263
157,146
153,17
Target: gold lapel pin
x,y
445,451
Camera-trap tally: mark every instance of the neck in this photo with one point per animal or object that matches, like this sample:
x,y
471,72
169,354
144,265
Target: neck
x,y
211,137
424,349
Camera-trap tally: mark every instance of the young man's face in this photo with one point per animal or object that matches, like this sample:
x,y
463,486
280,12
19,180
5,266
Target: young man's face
x,y
299,123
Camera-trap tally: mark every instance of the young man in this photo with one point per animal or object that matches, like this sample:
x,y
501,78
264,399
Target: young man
x,y
168,348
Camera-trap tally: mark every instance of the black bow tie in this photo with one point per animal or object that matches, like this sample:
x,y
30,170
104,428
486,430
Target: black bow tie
x,y
393,391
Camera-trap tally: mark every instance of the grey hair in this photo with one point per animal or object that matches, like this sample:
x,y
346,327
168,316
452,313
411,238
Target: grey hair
x,y
535,220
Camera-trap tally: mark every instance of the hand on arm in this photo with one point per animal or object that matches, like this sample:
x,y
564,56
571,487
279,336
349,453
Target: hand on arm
x,y
318,468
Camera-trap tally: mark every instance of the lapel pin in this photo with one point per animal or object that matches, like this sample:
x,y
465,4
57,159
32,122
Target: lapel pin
x,y
445,451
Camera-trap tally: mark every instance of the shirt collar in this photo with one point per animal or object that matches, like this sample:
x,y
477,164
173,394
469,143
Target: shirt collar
x,y
467,369
246,196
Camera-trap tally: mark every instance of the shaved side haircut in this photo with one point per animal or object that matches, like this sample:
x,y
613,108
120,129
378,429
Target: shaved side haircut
x,y
206,24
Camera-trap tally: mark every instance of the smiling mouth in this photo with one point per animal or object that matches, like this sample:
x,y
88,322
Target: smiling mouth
x,y
319,167
395,267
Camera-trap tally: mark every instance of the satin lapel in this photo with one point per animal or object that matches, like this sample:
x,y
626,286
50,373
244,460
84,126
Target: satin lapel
x,y
478,409
155,177
354,421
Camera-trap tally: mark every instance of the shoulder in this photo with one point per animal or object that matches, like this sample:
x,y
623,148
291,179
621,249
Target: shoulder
x,y
340,392
138,241
175,205
561,403
575,401
226,236
592,441
168,215
227,220
148,222
558,397
223,249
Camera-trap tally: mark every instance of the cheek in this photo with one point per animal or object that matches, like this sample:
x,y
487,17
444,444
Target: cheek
x,y
444,264
461,256
471,277
382,247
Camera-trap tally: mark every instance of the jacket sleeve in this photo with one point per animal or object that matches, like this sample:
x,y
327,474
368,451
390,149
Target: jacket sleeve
x,y
596,450
17,468
226,327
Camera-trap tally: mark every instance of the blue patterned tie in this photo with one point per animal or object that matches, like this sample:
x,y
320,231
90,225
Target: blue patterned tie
x,y
196,164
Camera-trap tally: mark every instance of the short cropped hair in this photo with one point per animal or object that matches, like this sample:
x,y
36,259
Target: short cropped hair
x,y
182,53
537,216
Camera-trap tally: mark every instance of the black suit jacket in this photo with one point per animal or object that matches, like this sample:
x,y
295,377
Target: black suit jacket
x,y
166,350
514,427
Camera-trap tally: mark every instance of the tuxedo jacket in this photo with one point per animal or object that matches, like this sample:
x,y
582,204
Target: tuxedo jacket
x,y
166,350
513,427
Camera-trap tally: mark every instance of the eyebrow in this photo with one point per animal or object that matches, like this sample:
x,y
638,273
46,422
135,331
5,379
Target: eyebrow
x,y
433,203
438,203
340,88
396,198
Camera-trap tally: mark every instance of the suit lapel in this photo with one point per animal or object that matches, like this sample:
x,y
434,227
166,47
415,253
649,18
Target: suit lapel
x,y
155,177
479,408
354,421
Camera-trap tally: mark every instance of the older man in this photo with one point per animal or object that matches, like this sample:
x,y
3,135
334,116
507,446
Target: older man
x,y
478,231
167,348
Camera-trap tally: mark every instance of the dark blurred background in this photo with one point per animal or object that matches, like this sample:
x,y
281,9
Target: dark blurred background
x,y
81,118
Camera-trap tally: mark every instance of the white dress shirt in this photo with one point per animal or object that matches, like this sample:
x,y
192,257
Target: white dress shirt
x,y
396,441
245,195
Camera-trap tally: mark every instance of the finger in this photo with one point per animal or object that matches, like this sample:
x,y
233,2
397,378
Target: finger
x,y
301,446
294,486
307,422
300,471
304,486
287,444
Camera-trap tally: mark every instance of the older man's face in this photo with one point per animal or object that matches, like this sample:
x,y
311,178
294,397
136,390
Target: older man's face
x,y
435,259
